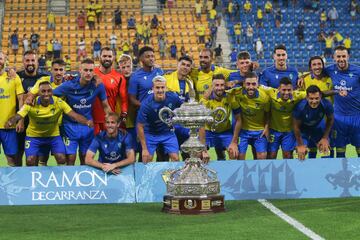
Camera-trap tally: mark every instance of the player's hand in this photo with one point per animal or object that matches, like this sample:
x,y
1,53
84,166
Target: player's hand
x,y
30,99
343,93
254,66
90,124
123,117
20,126
301,83
301,151
230,84
324,146
9,124
233,150
265,133
116,171
68,77
145,156
11,74
205,157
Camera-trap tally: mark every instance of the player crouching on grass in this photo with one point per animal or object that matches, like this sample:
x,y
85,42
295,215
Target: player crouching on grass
x,y
308,121
114,146
43,130
223,137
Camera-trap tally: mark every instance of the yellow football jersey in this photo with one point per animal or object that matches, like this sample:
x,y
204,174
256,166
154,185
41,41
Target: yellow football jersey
x,y
44,121
280,110
252,109
203,81
9,89
325,84
229,103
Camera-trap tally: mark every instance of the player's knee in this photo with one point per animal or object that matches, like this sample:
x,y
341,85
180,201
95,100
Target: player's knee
x,y
31,161
261,155
70,160
174,157
272,155
60,159
287,155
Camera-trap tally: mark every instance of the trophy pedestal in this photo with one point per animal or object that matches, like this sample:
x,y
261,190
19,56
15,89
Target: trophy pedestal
x,y
193,205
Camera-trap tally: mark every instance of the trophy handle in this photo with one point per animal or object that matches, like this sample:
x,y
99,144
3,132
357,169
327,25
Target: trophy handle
x,y
167,121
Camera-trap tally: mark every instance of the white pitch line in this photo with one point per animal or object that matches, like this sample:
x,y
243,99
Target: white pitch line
x,y
293,222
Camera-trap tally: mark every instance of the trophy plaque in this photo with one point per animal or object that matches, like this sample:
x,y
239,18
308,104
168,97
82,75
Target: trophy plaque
x,y
193,189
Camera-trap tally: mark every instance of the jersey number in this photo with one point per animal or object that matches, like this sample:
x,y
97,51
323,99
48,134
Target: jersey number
x,y
27,144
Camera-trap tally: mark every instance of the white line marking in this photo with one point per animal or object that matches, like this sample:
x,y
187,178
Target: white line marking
x,y
293,222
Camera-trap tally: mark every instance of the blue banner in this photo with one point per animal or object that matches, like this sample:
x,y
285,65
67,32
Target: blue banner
x,y
270,179
65,185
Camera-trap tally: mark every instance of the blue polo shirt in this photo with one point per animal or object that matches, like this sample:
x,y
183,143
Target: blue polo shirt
x,y
149,113
80,98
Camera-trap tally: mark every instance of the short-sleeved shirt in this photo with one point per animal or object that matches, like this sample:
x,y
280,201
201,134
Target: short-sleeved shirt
x,y
80,98
229,103
271,76
203,80
311,117
324,83
111,150
29,81
348,80
141,82
280,110
9,89
44,120
236,76
252,109
148,114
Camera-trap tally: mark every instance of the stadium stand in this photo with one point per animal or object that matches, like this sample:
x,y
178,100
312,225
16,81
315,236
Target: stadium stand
x,y
26,15
292,15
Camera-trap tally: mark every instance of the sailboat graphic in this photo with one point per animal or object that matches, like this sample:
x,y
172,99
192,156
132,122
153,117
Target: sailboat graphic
x,y
256,180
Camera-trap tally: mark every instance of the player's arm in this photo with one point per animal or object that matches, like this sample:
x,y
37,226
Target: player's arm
x,y
115,167
20,123
123,95
233,147
80,118
146,157
13,120
301,148
106,106
134,101
202,138
90,160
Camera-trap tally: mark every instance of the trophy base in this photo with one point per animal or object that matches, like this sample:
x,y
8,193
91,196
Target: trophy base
x,y
193,205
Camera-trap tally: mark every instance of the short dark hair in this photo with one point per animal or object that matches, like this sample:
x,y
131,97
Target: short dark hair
x,y
209,51
314,58
341,48
87,61
218,76
186,58
145,49
313,89
243,55
107,49
29,52
250,75
285,81
58,61
44,83
279,47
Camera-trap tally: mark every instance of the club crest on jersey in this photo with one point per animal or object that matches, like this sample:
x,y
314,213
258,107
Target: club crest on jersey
x,y
276,76
105,145
145,77
351,75
206,86
1,90
112,81
170,105
53,111
83,101
119,145
291,76
257,105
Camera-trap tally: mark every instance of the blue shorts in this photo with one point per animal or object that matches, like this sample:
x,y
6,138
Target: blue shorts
x,y
77,135
312,135
218,140
168,141
37,146
286,140
8,139
346,130
182,134
253,138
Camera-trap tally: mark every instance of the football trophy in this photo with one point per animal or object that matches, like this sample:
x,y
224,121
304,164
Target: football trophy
x,y
193,189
